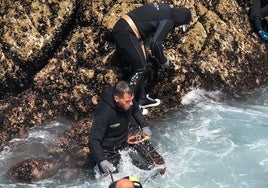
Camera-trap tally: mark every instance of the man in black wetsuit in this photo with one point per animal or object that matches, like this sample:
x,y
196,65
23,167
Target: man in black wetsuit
x,y
109,131
150,22
258,12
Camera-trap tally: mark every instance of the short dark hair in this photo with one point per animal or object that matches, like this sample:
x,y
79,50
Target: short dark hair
x,y
121,88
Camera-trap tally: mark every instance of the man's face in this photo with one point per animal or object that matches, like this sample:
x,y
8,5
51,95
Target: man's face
x,y
125,102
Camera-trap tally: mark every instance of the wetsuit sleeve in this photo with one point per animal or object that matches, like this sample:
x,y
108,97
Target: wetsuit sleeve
x,y
96,135
255,8
164,27
259,15
137,115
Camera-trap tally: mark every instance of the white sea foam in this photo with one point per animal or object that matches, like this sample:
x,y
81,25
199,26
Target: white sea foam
x,y
259,145
5,152
198,95
264,163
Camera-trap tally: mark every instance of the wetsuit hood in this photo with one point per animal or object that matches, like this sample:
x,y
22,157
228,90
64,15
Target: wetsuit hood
x,y
182,16
108,98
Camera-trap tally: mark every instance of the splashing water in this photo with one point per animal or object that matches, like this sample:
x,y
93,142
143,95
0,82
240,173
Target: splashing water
x,y
213,144
205,144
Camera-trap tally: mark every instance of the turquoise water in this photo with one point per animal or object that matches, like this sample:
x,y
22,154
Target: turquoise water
x,y
206,144
215,144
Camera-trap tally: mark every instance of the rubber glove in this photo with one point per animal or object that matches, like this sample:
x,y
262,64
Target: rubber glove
x,y
263,35
107,166
146,131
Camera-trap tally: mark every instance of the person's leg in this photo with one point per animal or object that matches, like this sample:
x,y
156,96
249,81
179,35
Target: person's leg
x,y
90,164
130,46
145,100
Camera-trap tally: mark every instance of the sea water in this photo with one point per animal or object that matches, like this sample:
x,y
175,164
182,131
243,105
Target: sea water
x,y
210,144
205,144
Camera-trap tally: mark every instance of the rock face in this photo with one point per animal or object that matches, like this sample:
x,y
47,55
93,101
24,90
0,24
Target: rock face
x,y
54,58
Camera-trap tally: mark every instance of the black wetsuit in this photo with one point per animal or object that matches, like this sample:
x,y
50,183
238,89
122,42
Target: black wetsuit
x,y
258,11
154,22
109,131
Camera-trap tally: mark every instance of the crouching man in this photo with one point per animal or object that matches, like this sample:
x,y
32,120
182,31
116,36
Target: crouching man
x,y
110,129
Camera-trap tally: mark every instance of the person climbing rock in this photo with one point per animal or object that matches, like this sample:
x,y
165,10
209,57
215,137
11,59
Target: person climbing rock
x,y
110,128
150,23
258,12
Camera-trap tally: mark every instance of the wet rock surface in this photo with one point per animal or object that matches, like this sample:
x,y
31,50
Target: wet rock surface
x,y
55,61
